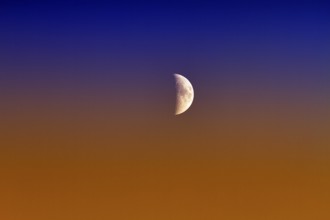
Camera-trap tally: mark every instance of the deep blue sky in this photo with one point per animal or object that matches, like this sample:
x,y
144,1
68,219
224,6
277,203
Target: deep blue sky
x,y
263,48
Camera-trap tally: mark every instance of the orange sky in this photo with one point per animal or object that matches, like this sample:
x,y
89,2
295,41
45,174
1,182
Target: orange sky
x,y
236,161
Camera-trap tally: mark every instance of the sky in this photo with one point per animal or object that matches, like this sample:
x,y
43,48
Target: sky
x,y
88,129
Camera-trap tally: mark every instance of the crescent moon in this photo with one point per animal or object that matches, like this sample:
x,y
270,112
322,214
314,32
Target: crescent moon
x,y
184,94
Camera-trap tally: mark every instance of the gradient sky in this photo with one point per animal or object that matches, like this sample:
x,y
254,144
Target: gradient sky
x,y
87,129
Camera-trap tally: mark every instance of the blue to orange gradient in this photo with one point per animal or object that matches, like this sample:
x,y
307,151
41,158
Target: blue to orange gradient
x,y
87,125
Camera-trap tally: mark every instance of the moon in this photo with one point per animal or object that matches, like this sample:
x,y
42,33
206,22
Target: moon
x,y
184,94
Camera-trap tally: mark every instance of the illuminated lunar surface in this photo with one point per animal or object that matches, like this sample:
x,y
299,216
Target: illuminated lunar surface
x,y
184,94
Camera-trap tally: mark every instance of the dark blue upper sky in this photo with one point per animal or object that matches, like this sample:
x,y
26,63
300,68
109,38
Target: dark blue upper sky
x,y
234,44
